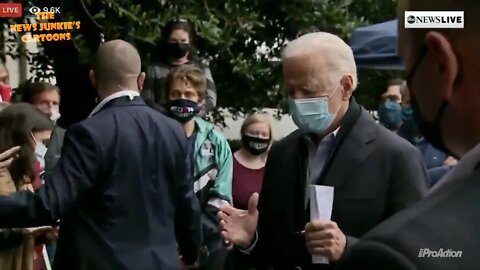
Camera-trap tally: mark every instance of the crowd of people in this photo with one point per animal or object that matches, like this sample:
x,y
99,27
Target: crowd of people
x,y
147,182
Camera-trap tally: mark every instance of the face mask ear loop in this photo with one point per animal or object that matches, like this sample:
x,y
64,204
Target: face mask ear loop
x,y
33,137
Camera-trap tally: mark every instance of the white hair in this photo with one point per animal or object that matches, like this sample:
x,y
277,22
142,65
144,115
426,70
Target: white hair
x,y
331,51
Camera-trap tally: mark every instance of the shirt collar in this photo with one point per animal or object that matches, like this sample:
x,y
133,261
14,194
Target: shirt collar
x,y
328,138
125,93
334,133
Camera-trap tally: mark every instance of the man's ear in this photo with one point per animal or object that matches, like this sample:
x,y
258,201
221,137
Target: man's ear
x,y
347,87
140,81
446,61
91,75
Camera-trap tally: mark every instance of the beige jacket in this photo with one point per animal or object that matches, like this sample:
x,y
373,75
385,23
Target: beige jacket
x,y
21,257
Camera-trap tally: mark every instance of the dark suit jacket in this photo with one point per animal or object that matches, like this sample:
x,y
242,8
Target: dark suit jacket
x,y
374,172
54,149
118,188
447,220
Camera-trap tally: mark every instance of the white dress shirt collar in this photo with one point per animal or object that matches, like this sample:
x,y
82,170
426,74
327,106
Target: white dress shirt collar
x,y
125,93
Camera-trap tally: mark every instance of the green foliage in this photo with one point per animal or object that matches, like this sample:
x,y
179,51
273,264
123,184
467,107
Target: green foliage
x,y
229,33
373,82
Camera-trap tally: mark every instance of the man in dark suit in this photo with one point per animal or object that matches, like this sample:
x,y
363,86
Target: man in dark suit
x,y
441,231
121,188
374,172
46,97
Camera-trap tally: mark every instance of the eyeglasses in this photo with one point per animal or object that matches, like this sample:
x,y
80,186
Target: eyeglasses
x,y
415,66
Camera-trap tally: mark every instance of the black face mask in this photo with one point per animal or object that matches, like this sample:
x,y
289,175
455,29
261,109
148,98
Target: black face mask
x,y
178,50
255,145
183,110
431,131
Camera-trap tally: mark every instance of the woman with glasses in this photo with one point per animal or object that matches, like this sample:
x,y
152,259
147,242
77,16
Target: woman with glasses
x,y
176,48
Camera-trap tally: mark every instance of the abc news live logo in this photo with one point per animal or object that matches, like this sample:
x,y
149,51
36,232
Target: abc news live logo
x,y
434,19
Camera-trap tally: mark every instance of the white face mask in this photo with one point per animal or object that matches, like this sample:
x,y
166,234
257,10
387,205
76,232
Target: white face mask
x,y
55,115
40,151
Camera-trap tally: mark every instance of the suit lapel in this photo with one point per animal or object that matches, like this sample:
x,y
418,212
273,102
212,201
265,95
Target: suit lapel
x,y
352,152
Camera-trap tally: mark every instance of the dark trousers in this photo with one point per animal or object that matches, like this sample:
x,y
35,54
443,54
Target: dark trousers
x,y
215,261
235,261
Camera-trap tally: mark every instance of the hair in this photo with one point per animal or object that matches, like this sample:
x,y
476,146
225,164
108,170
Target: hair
x,y
29,90
17,122
172,25
187,73
254,119
331,51
396,82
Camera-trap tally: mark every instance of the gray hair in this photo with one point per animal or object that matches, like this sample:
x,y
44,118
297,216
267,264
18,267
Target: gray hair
x,y
331,51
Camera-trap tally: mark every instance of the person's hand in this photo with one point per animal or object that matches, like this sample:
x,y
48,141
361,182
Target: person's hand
x,y
52,235
7,157
324,238
36,231
450,161
238,226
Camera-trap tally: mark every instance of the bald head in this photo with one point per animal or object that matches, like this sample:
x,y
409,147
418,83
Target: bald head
x,y
117,64
332,57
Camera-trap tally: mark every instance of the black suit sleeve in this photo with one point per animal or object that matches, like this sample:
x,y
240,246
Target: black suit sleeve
x,y
261,253
54,150
188,228
408,180
71,179
375,255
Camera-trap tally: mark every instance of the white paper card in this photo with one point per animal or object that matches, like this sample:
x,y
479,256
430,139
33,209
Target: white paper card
x,y
46,259
321,204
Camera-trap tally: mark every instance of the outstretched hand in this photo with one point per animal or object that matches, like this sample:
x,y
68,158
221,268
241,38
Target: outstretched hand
x,y
238,226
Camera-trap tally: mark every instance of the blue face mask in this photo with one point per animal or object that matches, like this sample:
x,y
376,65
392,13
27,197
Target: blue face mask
x,y
311,115
409,121
390,114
